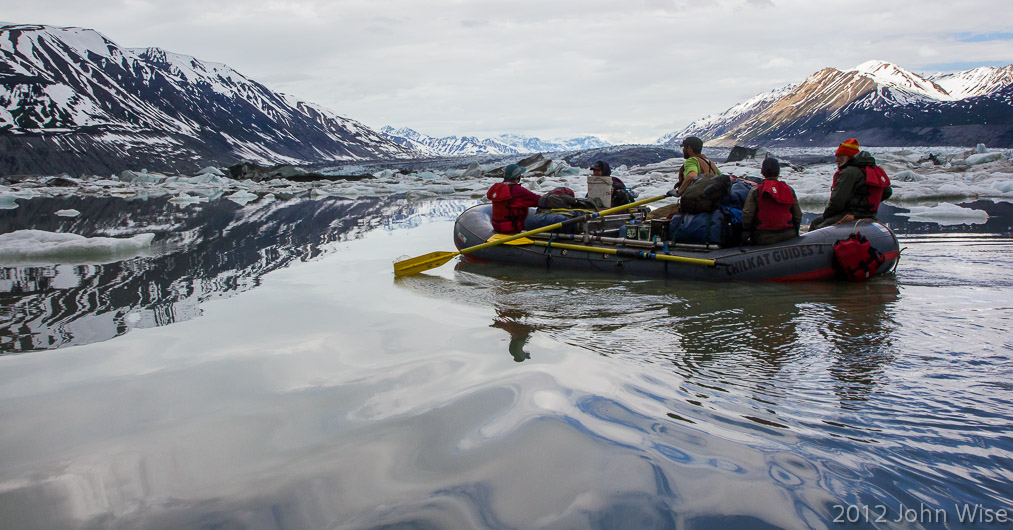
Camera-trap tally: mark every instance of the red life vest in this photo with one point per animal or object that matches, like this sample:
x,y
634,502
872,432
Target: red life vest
x,y
773,205
855,259
505,219
877,181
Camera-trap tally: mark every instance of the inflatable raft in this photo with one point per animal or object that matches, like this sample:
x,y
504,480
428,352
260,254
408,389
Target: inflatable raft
x,y
807,257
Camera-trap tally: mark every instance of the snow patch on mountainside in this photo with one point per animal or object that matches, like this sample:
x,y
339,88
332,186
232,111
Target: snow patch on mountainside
x,y
893,76
504,144
872,97
73,80
739,112
976,82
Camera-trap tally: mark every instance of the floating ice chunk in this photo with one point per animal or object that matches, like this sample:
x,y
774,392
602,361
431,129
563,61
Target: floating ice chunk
x,y
184,199
983,158
39,246
384,174
946,214
7,202
206,193
133,177
68,213
1003,186
907,176
211,171
242,197
952,190
474,171
205,179
980,148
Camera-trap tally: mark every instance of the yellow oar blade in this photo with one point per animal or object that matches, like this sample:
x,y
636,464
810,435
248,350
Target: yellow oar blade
x,y
422,263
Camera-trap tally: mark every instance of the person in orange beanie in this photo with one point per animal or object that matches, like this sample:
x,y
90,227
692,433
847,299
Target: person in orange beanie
x,y
857,189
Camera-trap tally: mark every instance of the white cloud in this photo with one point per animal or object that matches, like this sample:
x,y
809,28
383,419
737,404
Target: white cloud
x,y
634,70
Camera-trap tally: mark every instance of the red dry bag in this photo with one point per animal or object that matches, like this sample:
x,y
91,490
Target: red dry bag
x,y
855,259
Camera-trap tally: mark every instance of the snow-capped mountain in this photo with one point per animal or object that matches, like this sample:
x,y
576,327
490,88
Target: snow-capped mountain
x,y
431,146
504,144
71,99
977,82
878,102
711,126
527,144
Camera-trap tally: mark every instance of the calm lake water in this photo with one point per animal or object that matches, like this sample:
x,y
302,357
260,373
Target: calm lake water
x,y
260,367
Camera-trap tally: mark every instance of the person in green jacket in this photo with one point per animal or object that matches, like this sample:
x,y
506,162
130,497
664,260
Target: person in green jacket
x,y
849,193
696,165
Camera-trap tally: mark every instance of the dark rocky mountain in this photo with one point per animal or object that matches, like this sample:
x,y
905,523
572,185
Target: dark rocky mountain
x,y
73,100
877,102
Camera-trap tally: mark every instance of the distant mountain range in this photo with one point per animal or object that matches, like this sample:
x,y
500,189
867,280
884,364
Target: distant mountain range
x,y
877,102
504,144
73,100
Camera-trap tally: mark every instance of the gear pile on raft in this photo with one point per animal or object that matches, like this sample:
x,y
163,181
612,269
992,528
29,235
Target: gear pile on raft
x,y
722,228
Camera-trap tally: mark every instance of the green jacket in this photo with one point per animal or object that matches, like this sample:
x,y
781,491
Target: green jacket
x,y
850,195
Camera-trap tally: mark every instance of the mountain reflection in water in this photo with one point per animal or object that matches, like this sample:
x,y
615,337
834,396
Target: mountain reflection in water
x,y
202,252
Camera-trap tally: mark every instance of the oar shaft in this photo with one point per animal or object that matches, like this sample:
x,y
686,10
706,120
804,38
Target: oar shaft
x,y
627,252
586,238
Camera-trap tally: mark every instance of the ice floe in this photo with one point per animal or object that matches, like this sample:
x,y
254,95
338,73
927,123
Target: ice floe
x,y
919,174
39,246
945,214
70,212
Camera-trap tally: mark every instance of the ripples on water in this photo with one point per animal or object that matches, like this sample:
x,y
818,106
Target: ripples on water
x,y
492,397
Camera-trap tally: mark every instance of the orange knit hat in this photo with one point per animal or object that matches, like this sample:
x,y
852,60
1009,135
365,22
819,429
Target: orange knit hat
x,y
848,148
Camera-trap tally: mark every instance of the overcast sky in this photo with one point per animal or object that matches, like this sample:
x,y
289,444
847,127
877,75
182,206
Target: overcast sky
x,y
627,71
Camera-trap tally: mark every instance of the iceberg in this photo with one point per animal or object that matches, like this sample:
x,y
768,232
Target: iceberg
x,y
184,199
946,214
25,247
7,202
211,170
68,213
242,197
